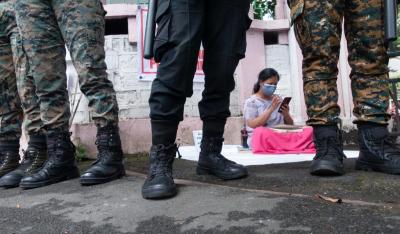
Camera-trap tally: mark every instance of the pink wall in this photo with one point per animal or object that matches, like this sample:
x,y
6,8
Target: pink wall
x,y
136,134
253,63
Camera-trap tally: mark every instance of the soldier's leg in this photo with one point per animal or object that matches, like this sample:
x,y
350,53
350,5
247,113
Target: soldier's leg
x,y
177,45
176,48
45,50
318,31
25,83
36,153
44,46
224,41
368,60
82,25
26,89
10,108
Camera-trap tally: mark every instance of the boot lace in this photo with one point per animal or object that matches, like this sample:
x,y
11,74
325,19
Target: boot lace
x,y
107,147
2,158
385,147
164,158
104,153
329,146
35,157
56,149
7,159
214,147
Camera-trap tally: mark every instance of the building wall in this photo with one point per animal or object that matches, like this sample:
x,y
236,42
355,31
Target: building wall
x,y
133,94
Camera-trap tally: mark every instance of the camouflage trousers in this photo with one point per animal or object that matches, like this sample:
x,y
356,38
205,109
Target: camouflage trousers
x,y
318,28
14,80
46,27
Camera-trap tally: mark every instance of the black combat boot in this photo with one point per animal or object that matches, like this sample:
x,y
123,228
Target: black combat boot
x,y
212,162
108,165
377,151
34,158
159,182
329,157
9,152
60,164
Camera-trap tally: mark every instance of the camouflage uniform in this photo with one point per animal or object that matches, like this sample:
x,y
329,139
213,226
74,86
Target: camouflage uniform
x,y
13,77
318,28
46,26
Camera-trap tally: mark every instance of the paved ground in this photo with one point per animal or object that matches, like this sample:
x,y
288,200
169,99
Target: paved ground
x,y
274,199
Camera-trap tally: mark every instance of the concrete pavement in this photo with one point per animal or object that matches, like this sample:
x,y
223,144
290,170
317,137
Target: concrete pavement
x,y
206,205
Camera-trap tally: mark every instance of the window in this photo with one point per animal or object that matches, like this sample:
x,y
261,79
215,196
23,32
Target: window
x,y
270,38
117,26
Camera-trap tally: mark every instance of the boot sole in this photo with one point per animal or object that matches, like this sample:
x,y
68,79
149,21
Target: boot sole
x,y
71,175
9,185
208,171
326,168
158,193
95,181
366,166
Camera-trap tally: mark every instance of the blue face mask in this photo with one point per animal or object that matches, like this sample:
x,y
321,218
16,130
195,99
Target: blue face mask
x,y
268,89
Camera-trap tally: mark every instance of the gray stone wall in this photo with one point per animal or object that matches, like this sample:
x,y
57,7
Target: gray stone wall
x,y
132,93
277,57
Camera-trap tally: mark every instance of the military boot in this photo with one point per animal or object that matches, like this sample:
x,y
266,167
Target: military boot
x,y
212,162
1,158
60,164
108,165
329,157
34,158
9,154
377,151
159,182
10,162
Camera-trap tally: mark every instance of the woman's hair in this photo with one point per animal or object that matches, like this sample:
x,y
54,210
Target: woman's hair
x,y
263,76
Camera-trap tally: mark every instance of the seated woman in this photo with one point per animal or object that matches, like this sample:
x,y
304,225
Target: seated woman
x,y
262,108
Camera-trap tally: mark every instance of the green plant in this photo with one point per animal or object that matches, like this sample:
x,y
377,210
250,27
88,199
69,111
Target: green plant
x,y
264,7
81,154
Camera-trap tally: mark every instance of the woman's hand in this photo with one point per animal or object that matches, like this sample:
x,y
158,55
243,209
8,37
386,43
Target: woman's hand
x,y
287,119
276,101
285,110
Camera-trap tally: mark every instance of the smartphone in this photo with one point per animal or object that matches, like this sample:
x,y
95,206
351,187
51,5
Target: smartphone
x,y
285,102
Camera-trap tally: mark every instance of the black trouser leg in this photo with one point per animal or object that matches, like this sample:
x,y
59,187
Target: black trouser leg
x,y
177,44
224,41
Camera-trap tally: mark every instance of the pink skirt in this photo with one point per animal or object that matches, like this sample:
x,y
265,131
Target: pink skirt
x,y
267,140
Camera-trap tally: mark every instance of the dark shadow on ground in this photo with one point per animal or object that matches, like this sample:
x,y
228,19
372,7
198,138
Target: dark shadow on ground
x,y
294,178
